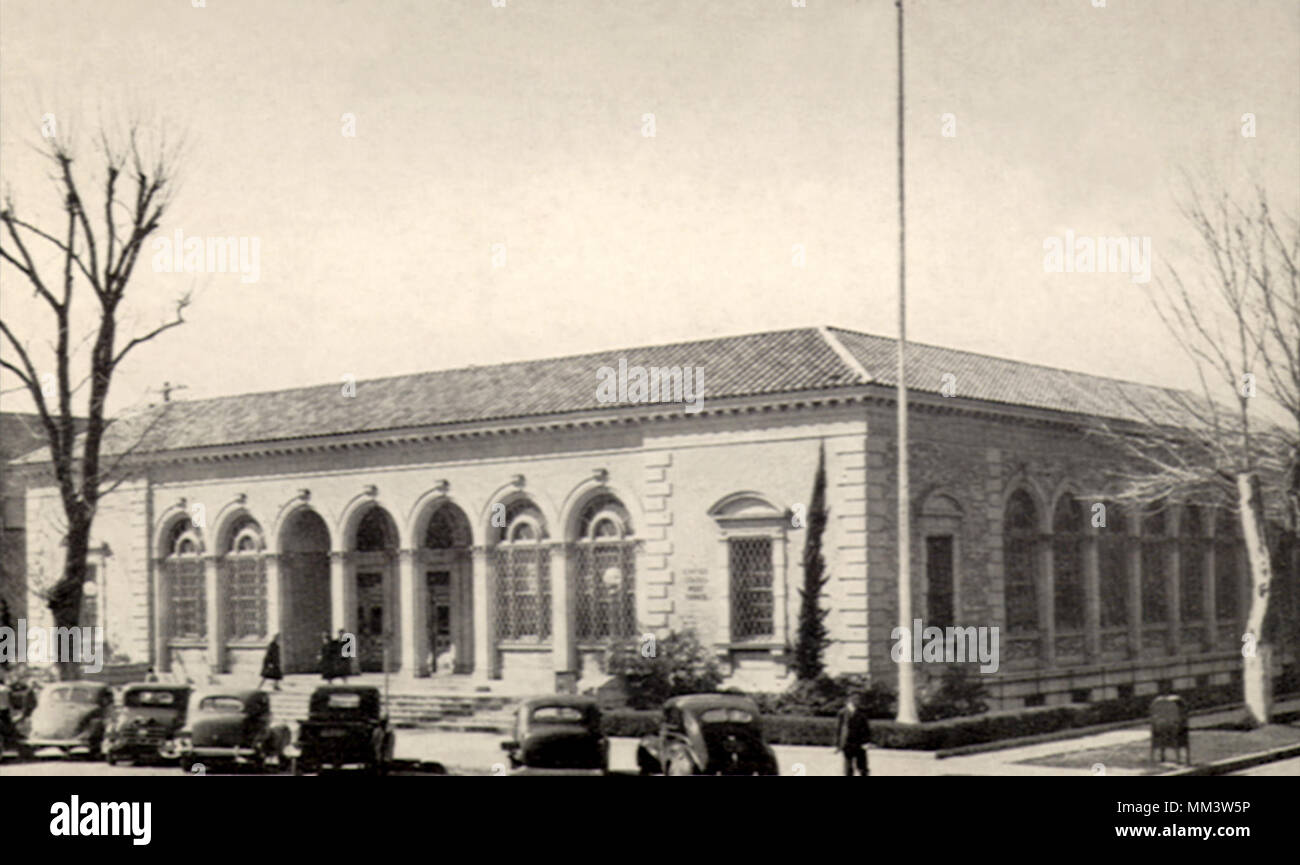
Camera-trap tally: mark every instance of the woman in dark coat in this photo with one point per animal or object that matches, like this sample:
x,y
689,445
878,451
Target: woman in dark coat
x,y
271,664
328,651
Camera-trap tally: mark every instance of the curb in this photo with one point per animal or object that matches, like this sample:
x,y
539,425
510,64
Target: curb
x,y
1233,764
1081,732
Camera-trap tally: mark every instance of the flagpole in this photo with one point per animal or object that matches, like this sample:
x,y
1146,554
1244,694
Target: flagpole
x,y
906,679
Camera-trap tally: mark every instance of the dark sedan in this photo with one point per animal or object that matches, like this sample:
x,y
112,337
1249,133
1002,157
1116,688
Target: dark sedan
x,y
558,733
147,720
707,734
230,727
345,726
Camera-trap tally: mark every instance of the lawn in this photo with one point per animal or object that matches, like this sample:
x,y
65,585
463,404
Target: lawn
x,y
1207,746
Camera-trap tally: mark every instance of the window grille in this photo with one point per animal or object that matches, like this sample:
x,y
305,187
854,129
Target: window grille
x,y
605,589
1191,591
186,597
1227,543
1020,560
1114,576
1067,563
1155,607
522,574
245,590
751,588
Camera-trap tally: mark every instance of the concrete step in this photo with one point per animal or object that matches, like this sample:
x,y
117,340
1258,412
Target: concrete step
x,y
487,712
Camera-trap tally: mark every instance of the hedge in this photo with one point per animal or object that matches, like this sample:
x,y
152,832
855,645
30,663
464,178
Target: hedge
x,y
948,733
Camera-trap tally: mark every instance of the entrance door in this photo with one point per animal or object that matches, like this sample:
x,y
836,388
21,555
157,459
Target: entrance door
x,y
370,622
440,639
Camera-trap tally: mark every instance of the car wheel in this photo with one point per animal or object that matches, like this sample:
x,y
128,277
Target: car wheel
x,y
110,758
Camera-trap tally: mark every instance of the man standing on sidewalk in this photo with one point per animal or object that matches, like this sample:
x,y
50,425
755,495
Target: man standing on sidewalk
x,y
851,736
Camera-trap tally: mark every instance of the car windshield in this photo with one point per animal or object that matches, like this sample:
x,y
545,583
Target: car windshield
x,y
722,716
557,715
221,704
88,696
151,698
344,701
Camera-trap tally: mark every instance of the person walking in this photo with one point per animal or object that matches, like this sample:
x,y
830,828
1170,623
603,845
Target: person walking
x,y
271,664
328,652
851,736
344,665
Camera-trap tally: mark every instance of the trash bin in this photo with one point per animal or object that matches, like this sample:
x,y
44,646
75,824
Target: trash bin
x,y
1169,727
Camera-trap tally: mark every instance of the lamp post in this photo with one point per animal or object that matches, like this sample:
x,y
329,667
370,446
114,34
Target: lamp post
x,y
906,680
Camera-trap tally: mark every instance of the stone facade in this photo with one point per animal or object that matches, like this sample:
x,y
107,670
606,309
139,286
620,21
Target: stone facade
x,y
519,548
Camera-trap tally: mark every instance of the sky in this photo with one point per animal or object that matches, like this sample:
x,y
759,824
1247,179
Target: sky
x,y
500,198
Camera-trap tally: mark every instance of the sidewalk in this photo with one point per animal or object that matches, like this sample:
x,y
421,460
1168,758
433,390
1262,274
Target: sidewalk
x,y
477,753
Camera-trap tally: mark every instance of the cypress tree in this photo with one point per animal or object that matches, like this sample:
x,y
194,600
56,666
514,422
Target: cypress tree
x,y
813,636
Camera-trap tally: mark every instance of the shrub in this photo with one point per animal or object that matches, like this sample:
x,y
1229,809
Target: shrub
x,y
679,665
825,696
960,693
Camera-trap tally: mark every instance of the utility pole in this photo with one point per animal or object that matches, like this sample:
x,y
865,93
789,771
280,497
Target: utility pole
x,y
906,678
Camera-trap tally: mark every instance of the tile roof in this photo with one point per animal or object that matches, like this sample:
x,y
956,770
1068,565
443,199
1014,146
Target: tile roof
x,y
773,362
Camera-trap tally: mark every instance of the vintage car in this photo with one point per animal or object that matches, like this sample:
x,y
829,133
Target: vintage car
x,y
146,721
346,726
229,727
707,734
71,716
558,732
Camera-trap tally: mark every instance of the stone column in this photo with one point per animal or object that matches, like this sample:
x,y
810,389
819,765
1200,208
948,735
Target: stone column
x,y
213,607
343,599
562,650
1211,600
1091,596
162,615
413,608
1173,596
485,660
274,601
1047,601
1134,591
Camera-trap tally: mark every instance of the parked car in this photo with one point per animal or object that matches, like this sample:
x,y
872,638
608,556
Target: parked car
x,y
71,716
345,725
707,734
147,720
230,727
558,732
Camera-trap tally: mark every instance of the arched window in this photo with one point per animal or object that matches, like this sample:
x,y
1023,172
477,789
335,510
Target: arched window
x,y
183,575
243,576
521,568
1020,560
1112,553
1227,574
604,572
374,532
1067,563
1155,606
446,530
1191,577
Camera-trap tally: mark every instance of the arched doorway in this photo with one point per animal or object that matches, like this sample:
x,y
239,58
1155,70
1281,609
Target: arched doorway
x,y
448,575
374,550
305,577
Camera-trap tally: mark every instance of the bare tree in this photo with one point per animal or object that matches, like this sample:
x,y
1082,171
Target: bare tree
x,y
1235,442
97,248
